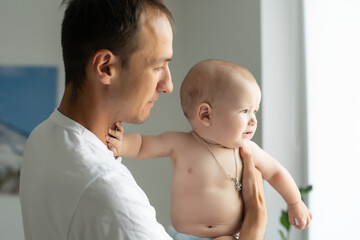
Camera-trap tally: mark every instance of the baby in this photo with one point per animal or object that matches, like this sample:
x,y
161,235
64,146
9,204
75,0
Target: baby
x,y
220,100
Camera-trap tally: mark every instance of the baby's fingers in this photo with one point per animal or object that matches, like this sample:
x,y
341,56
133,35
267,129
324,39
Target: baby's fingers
x,y
112,140
112,148
299,222
118,132
309,218
115,134
119,127
113,145
294,221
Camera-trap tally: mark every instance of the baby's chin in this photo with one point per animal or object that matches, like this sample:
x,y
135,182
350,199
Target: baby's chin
x,y
234,145
244,143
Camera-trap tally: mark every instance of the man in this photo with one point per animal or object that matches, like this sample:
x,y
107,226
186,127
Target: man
x,y
116,55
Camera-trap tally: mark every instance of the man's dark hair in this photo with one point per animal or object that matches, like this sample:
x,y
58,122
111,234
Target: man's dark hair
x,y
91,25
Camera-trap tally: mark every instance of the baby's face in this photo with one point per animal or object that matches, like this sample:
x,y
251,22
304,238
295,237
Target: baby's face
x,y
234,116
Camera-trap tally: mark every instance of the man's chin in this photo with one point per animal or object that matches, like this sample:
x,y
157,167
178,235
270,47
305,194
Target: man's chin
x,y
140,119
136,118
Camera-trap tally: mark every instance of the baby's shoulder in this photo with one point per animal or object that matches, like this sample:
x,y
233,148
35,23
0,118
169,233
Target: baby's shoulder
x,y
174,137
179,140
177,135
258,154
255,150
253,146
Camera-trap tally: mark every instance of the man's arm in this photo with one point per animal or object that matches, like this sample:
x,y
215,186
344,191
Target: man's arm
x,y
254,224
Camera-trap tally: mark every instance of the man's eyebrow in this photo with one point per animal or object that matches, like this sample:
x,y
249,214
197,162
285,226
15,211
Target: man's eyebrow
x,y
160,60
165,59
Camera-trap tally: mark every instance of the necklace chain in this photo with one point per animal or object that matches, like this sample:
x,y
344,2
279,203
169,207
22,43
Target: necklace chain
x,y
238,185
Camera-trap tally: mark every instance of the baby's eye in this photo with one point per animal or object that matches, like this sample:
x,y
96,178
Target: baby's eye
x,y
244,111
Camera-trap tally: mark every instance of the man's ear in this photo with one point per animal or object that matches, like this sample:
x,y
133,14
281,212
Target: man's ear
x,y
103,65
204,114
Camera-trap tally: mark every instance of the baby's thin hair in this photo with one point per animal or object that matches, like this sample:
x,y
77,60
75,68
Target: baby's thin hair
x,y
206,81
201,84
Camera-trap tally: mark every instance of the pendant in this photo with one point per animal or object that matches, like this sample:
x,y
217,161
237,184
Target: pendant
x,y
238,185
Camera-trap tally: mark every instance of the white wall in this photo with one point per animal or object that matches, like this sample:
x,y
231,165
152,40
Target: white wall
x,y
29,35
284,103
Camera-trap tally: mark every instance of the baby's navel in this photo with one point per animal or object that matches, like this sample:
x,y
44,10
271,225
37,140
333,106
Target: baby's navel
x,y
210,226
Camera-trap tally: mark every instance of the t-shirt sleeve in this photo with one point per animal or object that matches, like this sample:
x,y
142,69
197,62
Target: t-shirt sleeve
x,y
111,208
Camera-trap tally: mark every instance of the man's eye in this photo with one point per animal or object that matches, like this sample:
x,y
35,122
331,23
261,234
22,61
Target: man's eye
x,y
159,68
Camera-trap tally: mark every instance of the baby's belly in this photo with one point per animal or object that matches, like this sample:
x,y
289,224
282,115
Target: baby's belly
x,y
210,212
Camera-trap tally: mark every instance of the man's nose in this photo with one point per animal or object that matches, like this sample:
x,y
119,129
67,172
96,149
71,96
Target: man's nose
x,y
166,84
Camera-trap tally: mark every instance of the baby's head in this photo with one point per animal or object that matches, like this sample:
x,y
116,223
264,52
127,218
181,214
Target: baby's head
x,y
220,100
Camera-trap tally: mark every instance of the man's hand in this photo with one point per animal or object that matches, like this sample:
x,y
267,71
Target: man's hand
x,y
253,227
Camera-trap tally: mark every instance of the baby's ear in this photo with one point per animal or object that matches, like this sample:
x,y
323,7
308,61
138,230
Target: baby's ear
x,y
204,114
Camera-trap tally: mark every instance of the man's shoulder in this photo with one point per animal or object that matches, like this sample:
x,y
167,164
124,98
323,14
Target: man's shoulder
x,y
40,129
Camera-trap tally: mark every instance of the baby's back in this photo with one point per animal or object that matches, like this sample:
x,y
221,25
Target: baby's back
x,y
205,201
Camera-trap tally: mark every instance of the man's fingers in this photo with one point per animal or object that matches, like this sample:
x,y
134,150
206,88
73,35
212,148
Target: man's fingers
x,y
253,189
246,157
249,168
253,196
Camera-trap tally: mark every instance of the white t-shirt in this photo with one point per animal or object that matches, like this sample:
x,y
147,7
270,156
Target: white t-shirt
x,y
72,187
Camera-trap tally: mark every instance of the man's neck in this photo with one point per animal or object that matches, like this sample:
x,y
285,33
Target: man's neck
x,y
86,110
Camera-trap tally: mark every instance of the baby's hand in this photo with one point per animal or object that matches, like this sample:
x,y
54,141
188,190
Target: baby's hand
x,y
299,215
114,140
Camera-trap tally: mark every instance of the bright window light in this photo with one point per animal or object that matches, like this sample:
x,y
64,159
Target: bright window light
x,y
332,40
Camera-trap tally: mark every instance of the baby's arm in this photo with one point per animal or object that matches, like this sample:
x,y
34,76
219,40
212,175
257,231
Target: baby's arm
x,y
283,182
136,146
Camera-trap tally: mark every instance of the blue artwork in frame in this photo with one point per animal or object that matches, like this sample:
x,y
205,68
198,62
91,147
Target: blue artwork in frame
x,y
27,97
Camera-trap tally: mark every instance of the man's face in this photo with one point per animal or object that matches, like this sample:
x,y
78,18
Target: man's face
x,y
147,74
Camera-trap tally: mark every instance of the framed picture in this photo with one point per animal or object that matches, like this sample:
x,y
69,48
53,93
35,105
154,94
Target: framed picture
x,y
27,97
